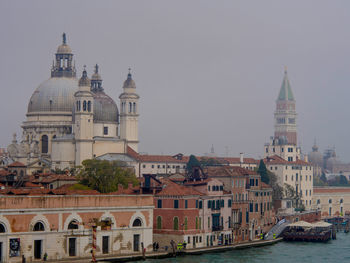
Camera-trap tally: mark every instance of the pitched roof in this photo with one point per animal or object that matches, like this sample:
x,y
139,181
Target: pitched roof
x,y
49,178
172,189
286,90
16,164
275,159
218,171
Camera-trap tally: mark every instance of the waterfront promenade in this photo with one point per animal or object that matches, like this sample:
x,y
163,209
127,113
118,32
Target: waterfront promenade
x,y
168,254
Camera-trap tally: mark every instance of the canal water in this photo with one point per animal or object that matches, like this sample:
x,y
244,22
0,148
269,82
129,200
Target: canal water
x,y
333,251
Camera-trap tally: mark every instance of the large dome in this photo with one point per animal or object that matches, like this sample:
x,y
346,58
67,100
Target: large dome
x,y
55,95
105,109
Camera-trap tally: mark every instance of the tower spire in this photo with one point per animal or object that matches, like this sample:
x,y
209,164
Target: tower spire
x,y
64,40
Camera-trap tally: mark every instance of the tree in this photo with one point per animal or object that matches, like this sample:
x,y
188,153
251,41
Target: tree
x,y
343,180
262,170
192,162
104,176
277,190
323,177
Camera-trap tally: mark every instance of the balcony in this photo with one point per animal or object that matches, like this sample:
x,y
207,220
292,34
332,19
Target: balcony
x,y
217,228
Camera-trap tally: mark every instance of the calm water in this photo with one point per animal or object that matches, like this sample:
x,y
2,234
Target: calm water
x,y
334,251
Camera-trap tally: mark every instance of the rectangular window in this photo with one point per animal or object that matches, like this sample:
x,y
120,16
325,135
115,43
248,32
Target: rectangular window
x,y
221,187
251,207
200,204
105,130
257,182
152,166
196,203
209,203
222,203
105,244
186,203
208,187
229,204
158,166
159,204
144,166
256,207
176,203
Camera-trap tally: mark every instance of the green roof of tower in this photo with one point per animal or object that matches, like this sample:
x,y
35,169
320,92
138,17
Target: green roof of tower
x,y
285,91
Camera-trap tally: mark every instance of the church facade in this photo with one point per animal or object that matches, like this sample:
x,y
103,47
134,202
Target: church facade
x,y
70,120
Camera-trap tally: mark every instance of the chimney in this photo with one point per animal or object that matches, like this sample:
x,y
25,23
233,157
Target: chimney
x,y
241,158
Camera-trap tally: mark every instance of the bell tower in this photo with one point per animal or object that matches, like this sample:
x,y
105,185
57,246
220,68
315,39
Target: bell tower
x,y
83,120
285,114
129,113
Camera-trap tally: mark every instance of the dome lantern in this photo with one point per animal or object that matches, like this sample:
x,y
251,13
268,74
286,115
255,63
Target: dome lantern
x,y
64,57
96,81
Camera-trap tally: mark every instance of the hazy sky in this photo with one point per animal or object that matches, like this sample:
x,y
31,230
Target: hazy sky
x,y
208,72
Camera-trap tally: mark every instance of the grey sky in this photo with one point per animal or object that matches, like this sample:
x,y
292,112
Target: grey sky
x,y
208,72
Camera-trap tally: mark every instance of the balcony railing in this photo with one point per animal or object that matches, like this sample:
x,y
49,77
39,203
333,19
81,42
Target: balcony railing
x,y
217,228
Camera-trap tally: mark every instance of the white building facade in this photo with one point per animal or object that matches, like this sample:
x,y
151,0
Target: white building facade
x,y
69,121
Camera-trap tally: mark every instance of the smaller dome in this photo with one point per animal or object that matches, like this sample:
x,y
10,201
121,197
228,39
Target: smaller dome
x,y
96,76
64,48
84,80
105,109
129,83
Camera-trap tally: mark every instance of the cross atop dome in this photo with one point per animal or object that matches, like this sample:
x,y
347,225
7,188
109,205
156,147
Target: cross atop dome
x,y
64,40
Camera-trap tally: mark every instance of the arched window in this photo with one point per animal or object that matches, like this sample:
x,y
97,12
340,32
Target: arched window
x,y
2,228
134,107
89,106
21,173
79,105
39,227
130,107
330,201
73,224
186,223
196,222
54,137
44,144
159,222
176,223
137,222
341,200
84,105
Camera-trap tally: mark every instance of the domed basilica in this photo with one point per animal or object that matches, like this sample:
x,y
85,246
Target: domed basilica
x,y
70,120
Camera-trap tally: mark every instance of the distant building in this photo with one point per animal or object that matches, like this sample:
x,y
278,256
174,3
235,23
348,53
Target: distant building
x,y
332,201
70,120
298,174
284,141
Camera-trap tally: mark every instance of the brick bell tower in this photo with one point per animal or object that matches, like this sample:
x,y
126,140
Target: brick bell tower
x,y
285,114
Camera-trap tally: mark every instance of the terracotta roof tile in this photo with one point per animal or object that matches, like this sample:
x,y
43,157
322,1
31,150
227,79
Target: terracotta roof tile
x,y
16,164
278,160
172,189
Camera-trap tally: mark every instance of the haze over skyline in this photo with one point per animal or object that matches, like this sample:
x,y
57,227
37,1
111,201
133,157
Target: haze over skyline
x,y
207,72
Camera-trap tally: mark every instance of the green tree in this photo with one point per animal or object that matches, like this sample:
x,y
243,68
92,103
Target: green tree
x,y
343,180
262,170
323,177
104,176
192,162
